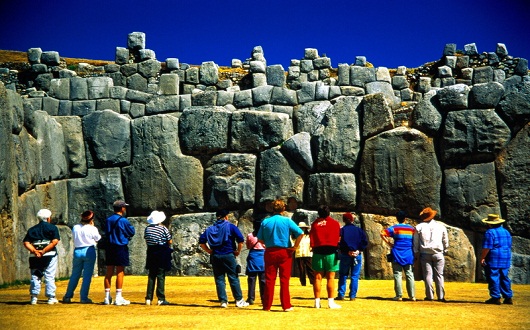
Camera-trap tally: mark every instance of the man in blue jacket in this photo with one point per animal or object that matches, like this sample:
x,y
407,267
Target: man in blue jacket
x,y
118,231
219,241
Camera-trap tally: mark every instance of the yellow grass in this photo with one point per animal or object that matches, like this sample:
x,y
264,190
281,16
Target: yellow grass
x,y
194,306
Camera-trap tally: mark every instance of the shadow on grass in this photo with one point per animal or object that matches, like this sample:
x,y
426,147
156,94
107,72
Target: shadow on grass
x,y
425,301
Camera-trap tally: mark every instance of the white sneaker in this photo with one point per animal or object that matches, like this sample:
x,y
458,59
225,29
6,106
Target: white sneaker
x,y
107,301
289,309
163,302
52,301
33,300
317,304
334,305
148,302
224,305
241,303
121,302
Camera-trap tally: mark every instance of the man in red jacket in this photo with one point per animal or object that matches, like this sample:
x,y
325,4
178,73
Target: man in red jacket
x,y
324,236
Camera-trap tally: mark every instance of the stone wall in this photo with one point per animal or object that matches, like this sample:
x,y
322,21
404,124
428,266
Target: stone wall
x,y
187,140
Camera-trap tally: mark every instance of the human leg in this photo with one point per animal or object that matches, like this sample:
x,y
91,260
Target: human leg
x,y
161,284
398,285
505,283
301,270
230,265
35,283
409,277
426,266
261,277
77,269
151,278
49,277
219,277
89,261
344,270
493,279
438,270
309,270
120,274
355,275
271,270
284,267
251,286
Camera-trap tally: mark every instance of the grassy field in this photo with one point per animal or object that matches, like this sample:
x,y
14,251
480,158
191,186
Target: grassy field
x,y
194,306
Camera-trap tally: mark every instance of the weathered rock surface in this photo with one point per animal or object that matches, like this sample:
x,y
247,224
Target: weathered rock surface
x,y
336,189
204,130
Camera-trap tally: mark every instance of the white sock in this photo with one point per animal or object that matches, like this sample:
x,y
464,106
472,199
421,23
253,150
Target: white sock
x,y
317,301
107,293
118,294
331,301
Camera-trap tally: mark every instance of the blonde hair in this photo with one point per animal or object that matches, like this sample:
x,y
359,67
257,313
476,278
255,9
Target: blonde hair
x,y
278,206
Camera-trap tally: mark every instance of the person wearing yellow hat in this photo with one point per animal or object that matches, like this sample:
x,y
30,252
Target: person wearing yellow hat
x,y
496,259
431,243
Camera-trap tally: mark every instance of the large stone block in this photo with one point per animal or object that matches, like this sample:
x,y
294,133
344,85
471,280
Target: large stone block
x,y
78,89
254,131
513,168
454,97
283,96
377,115
27,160
98,87
230,181
169,84
74,142
485,96
60,88
337,144
360,76
209,73
149,68
385,88
161,104
337,189
298,148
204,130
426,116
308,118
275,75
514,105
108,135
473,136
280,177
399,171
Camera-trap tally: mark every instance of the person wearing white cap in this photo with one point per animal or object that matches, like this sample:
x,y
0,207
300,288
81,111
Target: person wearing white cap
x,y
303,256
41,240
158,258
496,259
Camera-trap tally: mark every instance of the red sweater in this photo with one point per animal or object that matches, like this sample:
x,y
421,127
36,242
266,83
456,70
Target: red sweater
x,y
325,232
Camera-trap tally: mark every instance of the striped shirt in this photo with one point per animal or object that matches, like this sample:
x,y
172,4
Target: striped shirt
x,y
156,235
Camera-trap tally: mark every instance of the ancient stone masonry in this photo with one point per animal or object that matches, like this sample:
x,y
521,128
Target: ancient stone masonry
x,y
453,134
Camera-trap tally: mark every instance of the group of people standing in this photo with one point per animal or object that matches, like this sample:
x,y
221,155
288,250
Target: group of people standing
x,y
321,250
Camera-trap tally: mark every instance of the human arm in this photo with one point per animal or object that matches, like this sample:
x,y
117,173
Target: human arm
x,y
239,247
445,240
483,256
206,248
296,243
384,236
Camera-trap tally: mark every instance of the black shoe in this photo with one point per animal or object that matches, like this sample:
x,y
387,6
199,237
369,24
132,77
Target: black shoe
x,y
508,301
339,298
493,301
250,301
442,300
428,299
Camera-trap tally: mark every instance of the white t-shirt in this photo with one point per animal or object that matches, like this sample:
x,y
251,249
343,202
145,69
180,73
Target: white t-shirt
x,y
85,235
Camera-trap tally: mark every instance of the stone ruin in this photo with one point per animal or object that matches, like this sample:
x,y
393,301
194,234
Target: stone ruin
x,y
453,134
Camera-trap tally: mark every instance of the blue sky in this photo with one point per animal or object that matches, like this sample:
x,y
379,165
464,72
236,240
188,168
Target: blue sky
x,y
389,33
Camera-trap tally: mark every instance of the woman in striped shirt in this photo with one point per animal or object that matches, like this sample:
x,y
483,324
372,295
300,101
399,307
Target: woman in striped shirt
x,y
158,260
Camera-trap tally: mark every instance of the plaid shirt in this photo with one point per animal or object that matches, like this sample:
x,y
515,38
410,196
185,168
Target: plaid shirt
x,y
499,241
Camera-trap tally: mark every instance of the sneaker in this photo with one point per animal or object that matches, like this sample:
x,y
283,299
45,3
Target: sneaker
x,y
52,300
493,301
148,302
241,303
107,301
339,298
443,300
508,301
87,301
317,305
413,299
33,300
289,309
67,300
121,302
250,302
396,298
163,302
224,304
334,305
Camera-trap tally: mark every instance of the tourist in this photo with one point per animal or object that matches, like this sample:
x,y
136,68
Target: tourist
x,y
219,241
85,236
276,232
118,231
401,255
431,243
41,240
303,256
158,257
255,264
496,259
325,236
353,241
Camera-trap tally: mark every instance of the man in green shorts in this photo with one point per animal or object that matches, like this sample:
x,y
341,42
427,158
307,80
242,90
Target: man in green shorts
x,y
324,236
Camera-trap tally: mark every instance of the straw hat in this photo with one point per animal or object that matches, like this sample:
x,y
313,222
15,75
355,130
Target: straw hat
x,y
427,214
156,217
493,219
303,225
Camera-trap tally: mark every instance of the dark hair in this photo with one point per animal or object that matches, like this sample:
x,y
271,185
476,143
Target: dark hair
x,y
400,216
221,213
87,216
323,211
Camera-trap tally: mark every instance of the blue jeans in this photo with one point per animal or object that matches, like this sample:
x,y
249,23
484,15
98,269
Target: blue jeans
x,y
84,260
352,266
409,277
49,277
499,283
226,264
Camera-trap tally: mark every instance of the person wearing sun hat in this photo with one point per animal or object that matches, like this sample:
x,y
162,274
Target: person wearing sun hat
x,y
431,243
496,259
303,256
158,257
